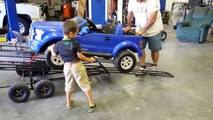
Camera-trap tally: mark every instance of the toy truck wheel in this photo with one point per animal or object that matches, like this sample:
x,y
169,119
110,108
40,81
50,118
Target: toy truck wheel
x,y
24,26
19,92
44,89
125,61
163,35
53,62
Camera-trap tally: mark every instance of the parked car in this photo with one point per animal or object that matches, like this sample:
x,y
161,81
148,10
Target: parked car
x,y
107,42
26,12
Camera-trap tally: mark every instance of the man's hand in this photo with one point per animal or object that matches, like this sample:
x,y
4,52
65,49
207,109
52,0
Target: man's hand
x,y
139,33
150,22
126,29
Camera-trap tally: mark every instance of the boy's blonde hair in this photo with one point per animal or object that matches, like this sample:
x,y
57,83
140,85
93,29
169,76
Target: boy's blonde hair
x,y
69,26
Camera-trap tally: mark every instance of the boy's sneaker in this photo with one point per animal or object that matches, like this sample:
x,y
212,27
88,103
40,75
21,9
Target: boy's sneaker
x,y
91,109
154,67
142,68
70,106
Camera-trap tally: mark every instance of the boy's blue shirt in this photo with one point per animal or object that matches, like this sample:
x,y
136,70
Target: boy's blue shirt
x,y
68,48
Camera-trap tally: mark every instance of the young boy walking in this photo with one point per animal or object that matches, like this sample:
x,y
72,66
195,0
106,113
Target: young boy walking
x,y
74,71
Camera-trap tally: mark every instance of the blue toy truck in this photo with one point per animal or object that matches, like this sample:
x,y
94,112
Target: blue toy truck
x,y
107,42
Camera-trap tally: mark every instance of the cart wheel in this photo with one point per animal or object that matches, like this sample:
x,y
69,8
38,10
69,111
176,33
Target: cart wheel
x,y
163,35
125,61
54,62
19,92
44,89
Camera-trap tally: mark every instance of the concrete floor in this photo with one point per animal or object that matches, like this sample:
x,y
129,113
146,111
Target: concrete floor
x,y
187,96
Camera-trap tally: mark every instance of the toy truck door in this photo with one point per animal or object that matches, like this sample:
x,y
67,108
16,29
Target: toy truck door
x,y
97,42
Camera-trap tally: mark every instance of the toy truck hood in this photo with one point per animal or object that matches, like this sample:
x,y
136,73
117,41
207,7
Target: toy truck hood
x,y
47,25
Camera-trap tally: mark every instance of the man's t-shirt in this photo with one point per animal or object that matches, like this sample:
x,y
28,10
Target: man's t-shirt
x,y
141,13
68,49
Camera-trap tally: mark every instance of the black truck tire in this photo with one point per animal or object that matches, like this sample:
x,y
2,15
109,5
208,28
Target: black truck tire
x,y
24,26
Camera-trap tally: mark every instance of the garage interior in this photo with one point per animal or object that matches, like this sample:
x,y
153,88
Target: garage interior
x,y
186,96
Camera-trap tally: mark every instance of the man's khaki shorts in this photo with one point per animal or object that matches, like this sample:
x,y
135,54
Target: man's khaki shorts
x,y
75,72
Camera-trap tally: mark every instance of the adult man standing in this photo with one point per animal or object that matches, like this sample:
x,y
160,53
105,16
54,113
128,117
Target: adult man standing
x,y
149,25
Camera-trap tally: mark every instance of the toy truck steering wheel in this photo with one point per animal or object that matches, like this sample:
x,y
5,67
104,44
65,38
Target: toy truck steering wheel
x,y
91,24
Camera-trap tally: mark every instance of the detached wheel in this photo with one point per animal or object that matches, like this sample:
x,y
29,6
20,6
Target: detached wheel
x,y
24,26
125,61
54,62
19,92
44,89
163,35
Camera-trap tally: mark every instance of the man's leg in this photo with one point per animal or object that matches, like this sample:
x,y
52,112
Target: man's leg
x,y
155,57
155,47
143,58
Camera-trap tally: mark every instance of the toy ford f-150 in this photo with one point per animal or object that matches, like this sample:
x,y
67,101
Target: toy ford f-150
x,y
107,42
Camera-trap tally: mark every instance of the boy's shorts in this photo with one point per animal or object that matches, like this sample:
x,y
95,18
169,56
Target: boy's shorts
x,y
75,72
153,41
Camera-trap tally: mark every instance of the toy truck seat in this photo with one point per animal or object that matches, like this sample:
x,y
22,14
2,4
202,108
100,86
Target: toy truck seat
x,y
111,26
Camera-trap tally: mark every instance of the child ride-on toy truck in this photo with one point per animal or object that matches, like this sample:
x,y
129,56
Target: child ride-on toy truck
x,y
108,42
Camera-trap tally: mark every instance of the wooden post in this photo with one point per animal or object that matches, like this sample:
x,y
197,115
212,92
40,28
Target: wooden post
x,y
81,8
